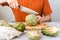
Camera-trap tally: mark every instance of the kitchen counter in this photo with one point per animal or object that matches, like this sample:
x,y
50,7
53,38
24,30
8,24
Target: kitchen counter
x,y
43,37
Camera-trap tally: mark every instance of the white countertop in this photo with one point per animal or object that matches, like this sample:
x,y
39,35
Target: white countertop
x,y
56,24
43,37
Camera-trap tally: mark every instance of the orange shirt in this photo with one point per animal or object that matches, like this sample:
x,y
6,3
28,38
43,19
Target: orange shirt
x,y
40,6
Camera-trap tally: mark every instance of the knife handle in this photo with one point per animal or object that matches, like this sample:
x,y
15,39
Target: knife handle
x,y
4,4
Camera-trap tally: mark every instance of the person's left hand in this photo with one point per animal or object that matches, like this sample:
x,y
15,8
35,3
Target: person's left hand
x,y
44,19
13,3
40,19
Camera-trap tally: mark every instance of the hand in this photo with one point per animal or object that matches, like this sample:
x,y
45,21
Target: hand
x,y
39,19
13,3
44,19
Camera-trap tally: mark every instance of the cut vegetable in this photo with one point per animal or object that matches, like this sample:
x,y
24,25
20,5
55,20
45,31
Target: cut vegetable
x,y
50,31
34,35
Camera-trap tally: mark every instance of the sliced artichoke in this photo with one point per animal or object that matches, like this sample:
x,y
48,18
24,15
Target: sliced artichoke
x,y
4,23
50,31
19,26
34,35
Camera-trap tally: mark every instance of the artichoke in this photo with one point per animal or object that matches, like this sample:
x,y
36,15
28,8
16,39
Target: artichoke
x,y
20,26
31,19
50,31
33,34
4,23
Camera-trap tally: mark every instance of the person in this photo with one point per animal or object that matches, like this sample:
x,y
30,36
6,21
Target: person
x,y
40,6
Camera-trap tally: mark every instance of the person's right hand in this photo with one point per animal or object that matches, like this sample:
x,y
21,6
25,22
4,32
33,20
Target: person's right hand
x,y
12,3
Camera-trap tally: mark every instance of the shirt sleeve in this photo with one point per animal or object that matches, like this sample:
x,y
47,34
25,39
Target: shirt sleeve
x,y
46,8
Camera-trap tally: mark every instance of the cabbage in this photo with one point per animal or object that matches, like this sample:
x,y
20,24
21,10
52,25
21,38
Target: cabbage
x,y
50,31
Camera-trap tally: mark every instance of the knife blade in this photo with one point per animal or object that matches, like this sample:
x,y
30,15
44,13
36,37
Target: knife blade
x,y
25,9
22,8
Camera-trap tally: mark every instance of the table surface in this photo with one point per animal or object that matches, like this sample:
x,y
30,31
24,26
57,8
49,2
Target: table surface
x,y
43,37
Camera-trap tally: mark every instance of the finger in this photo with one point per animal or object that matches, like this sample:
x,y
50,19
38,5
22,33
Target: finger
x,y
41,21
39,18
9,2
11,5
17,3
17,6
14,4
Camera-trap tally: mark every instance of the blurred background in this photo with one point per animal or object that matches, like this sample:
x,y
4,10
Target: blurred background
x,y
7,14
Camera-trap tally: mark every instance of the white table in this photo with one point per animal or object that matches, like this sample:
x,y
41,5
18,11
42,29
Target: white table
x,y
56,24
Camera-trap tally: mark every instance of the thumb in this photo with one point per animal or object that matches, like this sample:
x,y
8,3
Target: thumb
x,y
39,18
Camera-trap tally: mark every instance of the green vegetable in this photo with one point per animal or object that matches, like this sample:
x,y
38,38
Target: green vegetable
x,y
31,19
33,35
4,23
20,26
34,38
50,31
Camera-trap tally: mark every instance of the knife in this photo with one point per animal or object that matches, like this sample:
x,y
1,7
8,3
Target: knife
x,y
27,10
22,8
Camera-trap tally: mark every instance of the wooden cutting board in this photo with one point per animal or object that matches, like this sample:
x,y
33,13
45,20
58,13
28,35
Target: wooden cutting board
x,y
38,26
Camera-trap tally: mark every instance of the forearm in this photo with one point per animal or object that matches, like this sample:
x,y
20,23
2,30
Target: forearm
x,y
46,18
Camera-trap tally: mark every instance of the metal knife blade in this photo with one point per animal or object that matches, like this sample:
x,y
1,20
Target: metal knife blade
x,y
25,9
